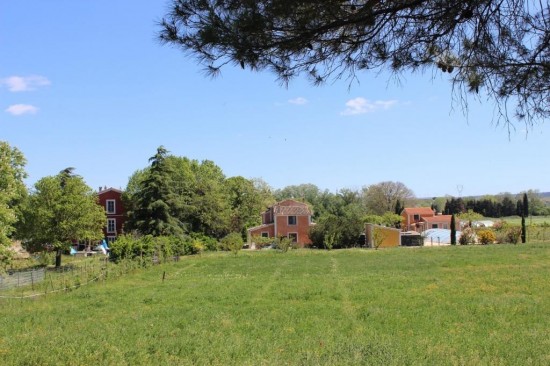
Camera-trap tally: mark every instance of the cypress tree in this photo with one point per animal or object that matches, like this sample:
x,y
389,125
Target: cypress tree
x,y
523,230
453,230
398,207
525,213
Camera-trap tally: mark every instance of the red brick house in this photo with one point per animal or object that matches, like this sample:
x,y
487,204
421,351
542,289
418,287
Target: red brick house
x,y
288,218
111,200
424,218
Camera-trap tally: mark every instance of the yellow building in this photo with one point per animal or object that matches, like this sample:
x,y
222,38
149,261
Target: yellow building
x,y
382,237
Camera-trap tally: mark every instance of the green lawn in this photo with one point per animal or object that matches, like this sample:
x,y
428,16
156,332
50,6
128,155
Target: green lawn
x,y
470,305
516,220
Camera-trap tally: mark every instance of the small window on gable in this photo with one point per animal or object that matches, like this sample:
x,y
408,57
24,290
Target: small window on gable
x,y
292,220
110,206
416,217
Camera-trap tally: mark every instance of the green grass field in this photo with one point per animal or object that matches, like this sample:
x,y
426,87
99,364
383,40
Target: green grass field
x,y
472,305
516,220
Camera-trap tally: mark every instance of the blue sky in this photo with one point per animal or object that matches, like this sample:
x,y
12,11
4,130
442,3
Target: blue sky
x,y
86,84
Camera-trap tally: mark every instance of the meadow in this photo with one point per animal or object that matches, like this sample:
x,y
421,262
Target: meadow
x,y
463,305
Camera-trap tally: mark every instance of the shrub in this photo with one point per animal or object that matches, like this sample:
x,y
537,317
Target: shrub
x,y
209,244
262,241
232,242
513,234
164,247
468,237
186,245
486,236
45,258
284,244
329,241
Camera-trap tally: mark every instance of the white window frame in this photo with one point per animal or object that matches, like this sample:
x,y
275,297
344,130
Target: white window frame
x,y
111,239
113,221
107,206
295,220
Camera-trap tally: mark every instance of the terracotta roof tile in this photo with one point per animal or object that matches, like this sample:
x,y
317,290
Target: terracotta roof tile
x,y
422,211
438,218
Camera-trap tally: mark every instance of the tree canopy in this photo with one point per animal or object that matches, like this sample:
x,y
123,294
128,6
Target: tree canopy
x,y
386,196
12,190
500,48
176,195
60,209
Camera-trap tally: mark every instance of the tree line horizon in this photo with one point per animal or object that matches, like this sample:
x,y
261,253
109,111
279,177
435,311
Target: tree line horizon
x,y
176,196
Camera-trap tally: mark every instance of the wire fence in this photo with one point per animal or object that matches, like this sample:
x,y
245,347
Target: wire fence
x,y
22,278
42,281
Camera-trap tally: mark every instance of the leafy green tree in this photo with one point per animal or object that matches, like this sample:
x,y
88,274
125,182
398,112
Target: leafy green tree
x,y
12,191
388,219
383,197
211,210
60,209
307,192
536,206
245,202
470,216
498,48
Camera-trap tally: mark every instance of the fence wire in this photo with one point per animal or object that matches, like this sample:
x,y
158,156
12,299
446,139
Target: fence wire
x,y
22,278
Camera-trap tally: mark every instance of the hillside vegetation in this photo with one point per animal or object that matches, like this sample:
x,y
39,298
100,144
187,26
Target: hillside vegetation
x,y
439,306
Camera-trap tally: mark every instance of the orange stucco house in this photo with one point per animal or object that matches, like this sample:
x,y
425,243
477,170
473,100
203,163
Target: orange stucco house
x,y
288,218
424,218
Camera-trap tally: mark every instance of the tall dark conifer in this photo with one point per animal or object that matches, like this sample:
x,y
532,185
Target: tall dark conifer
x,y
453,230
152,214
524,214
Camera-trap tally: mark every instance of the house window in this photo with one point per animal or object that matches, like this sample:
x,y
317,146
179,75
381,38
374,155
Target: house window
x,y
265,234
416,217
293,237
434,226
111,225
111,239
445,226
110,206
292,220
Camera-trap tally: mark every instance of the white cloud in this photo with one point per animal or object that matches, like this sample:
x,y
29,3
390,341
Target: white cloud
x,y
20,109
361,106
24,83
298,101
